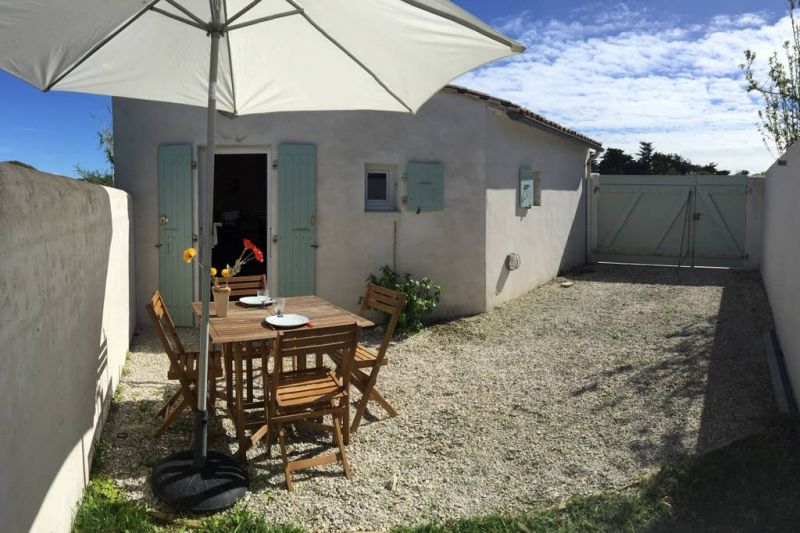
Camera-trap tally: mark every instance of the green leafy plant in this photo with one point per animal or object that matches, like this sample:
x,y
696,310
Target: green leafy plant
x,y
780,115
422,296
104,176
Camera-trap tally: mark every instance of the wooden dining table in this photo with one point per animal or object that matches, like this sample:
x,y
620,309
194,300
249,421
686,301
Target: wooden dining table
x,y
246,327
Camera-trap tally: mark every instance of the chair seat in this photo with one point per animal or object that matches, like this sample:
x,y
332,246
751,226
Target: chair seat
x,y
306,388
364,357
189,362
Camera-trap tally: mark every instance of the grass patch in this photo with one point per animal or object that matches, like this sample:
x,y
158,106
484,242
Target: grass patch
x,y
116,400
105,508
99,455
748,486
241,520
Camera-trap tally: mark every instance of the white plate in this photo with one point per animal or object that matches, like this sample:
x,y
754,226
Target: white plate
x,y
287,321
255,300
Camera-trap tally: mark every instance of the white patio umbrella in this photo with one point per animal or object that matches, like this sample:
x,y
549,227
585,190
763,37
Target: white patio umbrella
x,y
242,56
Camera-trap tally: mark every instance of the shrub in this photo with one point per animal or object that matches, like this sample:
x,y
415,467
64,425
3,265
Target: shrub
x,y
422,296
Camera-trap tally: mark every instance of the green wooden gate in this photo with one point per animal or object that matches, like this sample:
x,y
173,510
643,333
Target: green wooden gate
x,y
675,220
297,178
175,229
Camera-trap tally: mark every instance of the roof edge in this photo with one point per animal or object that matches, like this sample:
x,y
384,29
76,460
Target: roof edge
x,y
526,116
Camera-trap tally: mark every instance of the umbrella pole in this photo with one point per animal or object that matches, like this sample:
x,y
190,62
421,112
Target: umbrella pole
x,y
201,414
199,480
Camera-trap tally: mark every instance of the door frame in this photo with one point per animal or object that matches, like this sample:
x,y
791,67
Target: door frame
x,y
272,190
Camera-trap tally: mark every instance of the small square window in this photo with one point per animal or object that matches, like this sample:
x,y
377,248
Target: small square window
x,y
378,188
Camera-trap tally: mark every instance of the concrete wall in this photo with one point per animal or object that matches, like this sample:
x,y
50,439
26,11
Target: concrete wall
x,y
781,256
67,322
754,234
548,238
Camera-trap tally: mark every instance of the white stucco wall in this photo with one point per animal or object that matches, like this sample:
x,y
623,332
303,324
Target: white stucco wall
x,y
445,245
781,256
548,238
67,322
755,222
449,245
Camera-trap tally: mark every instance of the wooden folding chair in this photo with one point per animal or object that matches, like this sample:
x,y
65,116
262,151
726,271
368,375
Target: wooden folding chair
x,y
183,366
306,396
368,362
245,285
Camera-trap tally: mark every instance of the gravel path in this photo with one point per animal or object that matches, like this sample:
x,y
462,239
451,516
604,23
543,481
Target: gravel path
x,y
563,391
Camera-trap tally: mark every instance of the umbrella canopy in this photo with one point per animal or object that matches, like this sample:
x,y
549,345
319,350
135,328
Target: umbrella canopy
x,y
242,56
275,55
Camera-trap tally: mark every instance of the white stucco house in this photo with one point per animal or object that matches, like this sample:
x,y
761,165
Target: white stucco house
x,y
450,193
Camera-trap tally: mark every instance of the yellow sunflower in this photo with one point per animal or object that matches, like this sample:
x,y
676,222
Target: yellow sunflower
x,y
188,254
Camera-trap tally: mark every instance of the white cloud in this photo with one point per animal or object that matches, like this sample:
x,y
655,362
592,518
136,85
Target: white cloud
x,y
625,76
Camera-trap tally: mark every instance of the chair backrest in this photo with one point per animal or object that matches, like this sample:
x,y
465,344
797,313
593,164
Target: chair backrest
x,y
245,285
157,310
318,341
388,301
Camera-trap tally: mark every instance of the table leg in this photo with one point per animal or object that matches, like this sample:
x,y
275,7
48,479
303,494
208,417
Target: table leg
x,y
227,355
249,364
239,410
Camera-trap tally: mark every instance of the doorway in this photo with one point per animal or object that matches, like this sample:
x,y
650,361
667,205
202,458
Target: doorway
x,y
240,208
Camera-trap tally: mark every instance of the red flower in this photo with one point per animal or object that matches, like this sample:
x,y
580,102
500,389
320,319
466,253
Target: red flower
x,y
258,254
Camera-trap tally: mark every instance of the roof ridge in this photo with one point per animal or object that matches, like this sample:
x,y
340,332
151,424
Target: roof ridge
x,y
513,108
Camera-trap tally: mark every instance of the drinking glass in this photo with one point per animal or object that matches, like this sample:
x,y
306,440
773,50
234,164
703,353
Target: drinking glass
x,y
279,305
262,297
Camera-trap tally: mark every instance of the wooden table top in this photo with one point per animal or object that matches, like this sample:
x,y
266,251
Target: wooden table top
x,y
245,323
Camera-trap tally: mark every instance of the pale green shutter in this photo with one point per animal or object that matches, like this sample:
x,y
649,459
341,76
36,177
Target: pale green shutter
x,y
425,186
297,179
175,230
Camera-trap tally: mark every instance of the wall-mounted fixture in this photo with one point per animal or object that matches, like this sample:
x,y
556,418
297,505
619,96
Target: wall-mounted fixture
x,y
512,261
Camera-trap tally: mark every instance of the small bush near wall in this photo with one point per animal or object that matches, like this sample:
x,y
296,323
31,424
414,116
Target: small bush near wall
x,y
422,296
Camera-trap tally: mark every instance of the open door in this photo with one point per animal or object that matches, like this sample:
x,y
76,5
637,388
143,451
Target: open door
x,y
240,208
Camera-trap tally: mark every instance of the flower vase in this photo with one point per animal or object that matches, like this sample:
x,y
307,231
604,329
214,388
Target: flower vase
x,y
221,297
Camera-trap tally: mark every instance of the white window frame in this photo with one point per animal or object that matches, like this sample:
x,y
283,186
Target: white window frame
x,y
379,205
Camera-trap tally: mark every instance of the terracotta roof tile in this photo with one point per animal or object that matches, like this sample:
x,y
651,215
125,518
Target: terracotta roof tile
x,y
514,111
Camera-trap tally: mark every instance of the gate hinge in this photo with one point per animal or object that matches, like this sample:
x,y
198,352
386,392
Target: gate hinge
x,y
194,165
274,163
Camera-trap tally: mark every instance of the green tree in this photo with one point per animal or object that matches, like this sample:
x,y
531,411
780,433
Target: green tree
x,y
649,161
105,138
645,158
780,117
616,161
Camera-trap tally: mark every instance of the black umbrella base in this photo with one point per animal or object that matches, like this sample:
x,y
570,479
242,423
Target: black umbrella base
x,y
218,486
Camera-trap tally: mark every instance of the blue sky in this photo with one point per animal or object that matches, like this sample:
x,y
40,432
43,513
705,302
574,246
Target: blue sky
x,y
664,71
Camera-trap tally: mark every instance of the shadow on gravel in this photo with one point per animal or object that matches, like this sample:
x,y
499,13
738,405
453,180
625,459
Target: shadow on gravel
x,y
718,360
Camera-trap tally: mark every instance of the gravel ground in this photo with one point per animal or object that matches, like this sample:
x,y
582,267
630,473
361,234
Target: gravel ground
x,y
563,391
